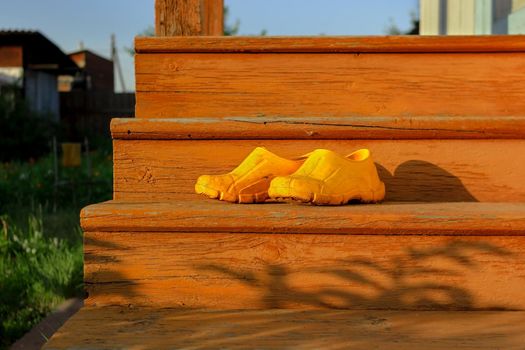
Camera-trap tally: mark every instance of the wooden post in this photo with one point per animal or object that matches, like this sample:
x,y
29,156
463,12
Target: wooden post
x,y
189,17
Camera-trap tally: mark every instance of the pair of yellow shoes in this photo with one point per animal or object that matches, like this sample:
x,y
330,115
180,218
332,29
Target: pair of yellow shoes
x,y
321,177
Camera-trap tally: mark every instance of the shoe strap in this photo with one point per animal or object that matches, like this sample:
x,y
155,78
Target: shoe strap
x,y
304,156
359,150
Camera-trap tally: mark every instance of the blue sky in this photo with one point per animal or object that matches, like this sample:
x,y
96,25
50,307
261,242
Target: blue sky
x,y
67,22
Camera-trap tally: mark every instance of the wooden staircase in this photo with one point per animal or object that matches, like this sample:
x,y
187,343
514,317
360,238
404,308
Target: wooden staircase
x,y
439,265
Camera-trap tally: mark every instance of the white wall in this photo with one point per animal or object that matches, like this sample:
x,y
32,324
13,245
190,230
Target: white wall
x,y
472,17
11,76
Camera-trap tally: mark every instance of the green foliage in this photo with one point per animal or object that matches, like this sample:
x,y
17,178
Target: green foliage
x,y
37,272
24,134
231,29
41,249
31,183
149,31
393,29
40,238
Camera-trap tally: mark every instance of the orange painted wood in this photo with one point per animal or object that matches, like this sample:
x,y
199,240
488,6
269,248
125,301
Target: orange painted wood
x,y
354,127
151,328
188,17
380,44
205,215
303,271
413,170
185,85
213,17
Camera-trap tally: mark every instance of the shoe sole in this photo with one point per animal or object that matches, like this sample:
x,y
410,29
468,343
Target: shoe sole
x,y
243,197
375,195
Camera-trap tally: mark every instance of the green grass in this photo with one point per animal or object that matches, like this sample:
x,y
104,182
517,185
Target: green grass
x,y
37,272
32,183
41,258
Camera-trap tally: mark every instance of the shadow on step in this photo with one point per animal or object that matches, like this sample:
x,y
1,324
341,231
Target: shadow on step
x,y
420,181
246,270
158,328
100,275
443,277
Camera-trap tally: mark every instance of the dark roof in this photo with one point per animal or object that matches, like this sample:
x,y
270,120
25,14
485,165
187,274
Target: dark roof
x,y
90,52
39,52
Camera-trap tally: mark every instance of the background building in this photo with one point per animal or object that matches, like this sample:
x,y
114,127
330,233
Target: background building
x,y
472,17
32,62
76,90
95,73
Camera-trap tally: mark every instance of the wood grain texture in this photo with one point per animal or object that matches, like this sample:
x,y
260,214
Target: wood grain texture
x,y
206,215
213,17
149,328
177,17
413,170
381,44
305,271
329,85
351,127
188,17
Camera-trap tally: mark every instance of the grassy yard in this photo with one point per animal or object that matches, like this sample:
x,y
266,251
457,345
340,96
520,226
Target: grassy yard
x,y
40,238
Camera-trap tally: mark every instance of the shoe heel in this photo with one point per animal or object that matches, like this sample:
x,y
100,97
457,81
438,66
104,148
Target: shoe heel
x,y
378,193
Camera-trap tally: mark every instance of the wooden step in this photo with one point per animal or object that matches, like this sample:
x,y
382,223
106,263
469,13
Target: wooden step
x,y
210,254
423,159
205,215
148,328
329,76
443,117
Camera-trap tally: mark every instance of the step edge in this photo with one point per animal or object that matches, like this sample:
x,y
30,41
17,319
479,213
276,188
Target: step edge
x,y
332,44
319,128
203,217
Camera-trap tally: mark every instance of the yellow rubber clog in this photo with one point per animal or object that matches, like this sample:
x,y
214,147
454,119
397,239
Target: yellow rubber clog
x,y
249,182
326,178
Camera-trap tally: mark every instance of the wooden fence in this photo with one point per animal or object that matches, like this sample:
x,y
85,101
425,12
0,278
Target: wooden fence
x,y
88,113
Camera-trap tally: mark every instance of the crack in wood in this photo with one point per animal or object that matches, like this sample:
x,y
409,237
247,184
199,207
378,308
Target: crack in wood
x,y
357,126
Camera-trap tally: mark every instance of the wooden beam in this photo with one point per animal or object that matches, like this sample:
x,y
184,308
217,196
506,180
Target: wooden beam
x,y
199,215
337,44
188,17
213,17
352,127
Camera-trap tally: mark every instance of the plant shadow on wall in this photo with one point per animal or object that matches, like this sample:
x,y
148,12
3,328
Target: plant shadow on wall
x,y
102,281
425,278
352,279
